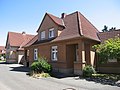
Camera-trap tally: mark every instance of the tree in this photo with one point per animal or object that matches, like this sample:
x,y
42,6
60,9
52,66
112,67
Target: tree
x,y
110,49
112,29
105,28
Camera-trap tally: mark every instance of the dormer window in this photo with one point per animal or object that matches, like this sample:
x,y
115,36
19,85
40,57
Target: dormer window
x,y
51,33
42,35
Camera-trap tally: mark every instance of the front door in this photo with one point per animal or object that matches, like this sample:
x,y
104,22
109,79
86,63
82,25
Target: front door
x,y
72,56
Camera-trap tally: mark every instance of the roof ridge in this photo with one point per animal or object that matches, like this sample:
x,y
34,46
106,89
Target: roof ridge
x,y
52,15
19,33
55,17
79,23
71,13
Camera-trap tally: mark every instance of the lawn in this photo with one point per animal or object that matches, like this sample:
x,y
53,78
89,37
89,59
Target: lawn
x,y
2,60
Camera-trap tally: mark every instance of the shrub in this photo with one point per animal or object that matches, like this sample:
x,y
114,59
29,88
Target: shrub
x,y
36,67
41,66
88,71
110,49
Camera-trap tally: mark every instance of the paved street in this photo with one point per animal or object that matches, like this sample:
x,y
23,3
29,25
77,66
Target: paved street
x,y
13,77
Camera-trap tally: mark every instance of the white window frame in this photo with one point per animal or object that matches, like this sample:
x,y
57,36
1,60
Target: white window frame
x,y
51,33
35,54
54,55
42,35
112,60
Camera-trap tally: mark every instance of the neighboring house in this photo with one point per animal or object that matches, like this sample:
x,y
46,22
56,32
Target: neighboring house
x,y
112,66
2,53
15,42
66,42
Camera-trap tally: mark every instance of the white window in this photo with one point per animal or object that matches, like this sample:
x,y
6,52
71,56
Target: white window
x,y
112,60
54,53
51,33
35,54
42,35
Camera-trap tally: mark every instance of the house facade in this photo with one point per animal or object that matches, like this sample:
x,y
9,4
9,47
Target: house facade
x,y
15,42
66,42
2,53
111,66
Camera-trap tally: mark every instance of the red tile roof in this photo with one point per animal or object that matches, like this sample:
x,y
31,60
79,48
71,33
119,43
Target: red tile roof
x,y
107,35
55,19
2,48
32,41
77,25
18,39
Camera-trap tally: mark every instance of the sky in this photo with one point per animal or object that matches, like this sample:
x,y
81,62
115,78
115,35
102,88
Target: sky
x,y
26,15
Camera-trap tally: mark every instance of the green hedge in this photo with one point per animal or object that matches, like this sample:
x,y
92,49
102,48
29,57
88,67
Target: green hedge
x,y
88,70
40,66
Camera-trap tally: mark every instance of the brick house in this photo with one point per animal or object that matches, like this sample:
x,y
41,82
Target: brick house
x,y
14,43
66,42
112,66
2,52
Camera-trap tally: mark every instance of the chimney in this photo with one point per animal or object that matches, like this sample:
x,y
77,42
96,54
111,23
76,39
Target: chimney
x,y
23,33
63,15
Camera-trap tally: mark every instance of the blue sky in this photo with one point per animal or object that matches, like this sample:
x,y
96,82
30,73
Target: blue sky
x,y
26,15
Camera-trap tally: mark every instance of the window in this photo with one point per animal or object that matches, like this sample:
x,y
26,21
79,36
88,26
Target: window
x,y
51,33
76,52
42,35
54,53
35,54
112,60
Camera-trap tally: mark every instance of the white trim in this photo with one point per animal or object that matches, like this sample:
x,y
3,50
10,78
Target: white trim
x,y
54,52
51,33
35,54
42,35
112,60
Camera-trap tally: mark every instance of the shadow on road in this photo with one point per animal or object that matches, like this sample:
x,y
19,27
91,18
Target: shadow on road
x,y
59,75
2,62
20,69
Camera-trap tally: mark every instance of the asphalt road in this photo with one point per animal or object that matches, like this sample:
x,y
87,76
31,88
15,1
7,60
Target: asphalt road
x,y
13,77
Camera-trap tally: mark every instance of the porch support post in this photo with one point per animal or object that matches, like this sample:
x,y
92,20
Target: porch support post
x,y
78,66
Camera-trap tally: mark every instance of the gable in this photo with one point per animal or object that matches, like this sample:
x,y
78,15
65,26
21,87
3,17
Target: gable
x,y
17,39
7,42
47,23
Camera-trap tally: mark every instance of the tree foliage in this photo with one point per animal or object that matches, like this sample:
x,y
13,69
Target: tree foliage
x,y
110,49
105,28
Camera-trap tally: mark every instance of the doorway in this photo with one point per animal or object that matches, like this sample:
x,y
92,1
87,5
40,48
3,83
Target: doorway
x,y
72,55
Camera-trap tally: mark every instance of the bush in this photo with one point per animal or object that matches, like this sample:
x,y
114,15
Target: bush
x,y
41,66
110,49
88,71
